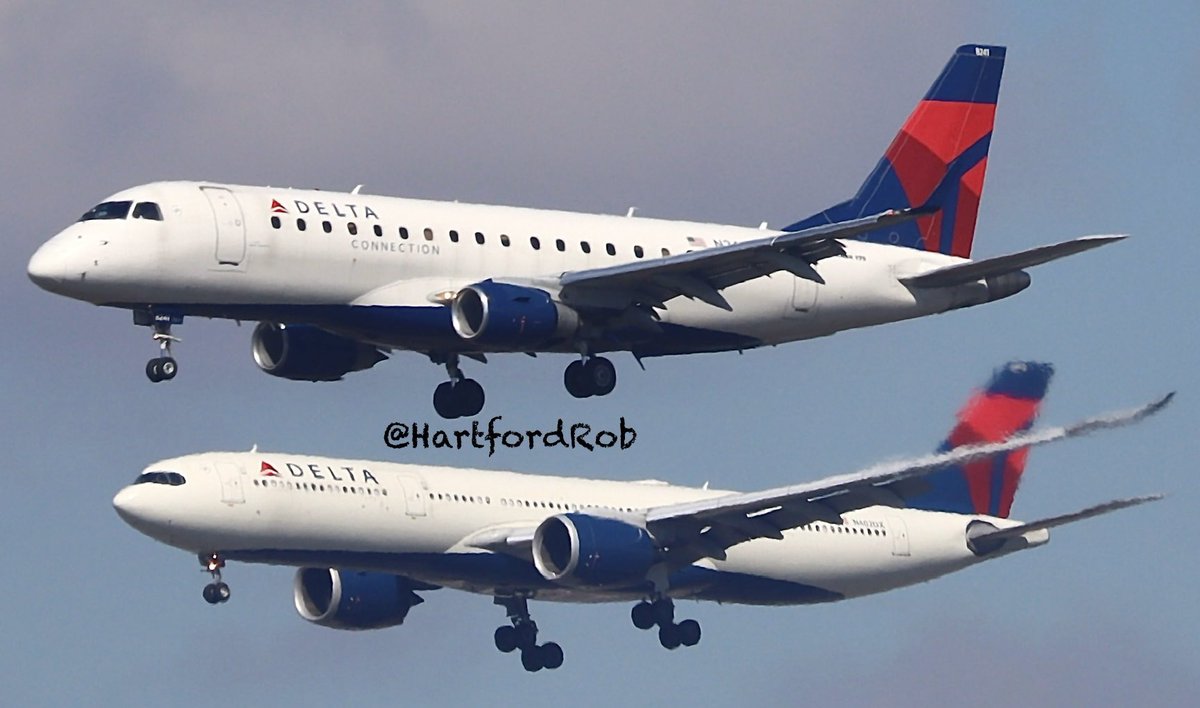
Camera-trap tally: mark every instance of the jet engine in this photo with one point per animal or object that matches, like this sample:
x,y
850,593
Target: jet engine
x,y
307,353
592,551
353,600
510,315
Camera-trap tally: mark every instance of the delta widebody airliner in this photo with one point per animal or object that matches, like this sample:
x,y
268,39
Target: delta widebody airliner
x,y
369,536
337,280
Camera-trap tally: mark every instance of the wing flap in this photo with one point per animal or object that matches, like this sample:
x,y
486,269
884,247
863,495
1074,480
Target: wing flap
x,y
971,271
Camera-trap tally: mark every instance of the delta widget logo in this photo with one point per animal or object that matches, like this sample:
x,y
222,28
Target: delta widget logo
x,y
268,471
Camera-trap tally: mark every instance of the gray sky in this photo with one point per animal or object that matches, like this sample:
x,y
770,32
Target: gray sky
x,y
686,110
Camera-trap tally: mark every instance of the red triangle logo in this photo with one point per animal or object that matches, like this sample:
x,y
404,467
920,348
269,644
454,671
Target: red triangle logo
x,y
277,208
268,471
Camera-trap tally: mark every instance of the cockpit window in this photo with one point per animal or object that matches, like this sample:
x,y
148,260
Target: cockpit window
x,y
107,210
174,479
147,210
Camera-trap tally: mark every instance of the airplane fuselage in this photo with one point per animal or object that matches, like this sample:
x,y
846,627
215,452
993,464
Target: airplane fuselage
x,y
434,525
382,269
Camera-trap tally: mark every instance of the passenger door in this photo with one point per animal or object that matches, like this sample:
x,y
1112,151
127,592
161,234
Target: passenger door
x,y
230,225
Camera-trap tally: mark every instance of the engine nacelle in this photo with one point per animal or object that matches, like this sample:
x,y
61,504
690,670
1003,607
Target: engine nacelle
x,y
592,551
352,600
307,353
510,315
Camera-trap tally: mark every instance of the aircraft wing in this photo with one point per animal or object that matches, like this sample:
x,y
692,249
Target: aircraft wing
x,y
706,528
702,274
971,271
1014,531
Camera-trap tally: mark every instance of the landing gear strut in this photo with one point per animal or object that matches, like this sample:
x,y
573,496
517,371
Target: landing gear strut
x,y
523,635
459,397
215,592
661,612
163,367
590,376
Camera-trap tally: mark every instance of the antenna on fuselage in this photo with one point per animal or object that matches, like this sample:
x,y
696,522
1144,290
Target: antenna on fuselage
x,y
630,212
355,190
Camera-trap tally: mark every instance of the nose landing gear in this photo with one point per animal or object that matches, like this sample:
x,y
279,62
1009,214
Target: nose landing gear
x,y
163,367
215,592
523,635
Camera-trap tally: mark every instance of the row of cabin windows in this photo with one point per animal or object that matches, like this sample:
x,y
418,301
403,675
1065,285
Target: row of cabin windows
x,y
314,487
534,242
834,528
526,503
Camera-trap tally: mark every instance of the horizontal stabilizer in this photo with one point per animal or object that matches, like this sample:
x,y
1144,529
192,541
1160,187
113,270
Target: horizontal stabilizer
x,y
1106,507
972,271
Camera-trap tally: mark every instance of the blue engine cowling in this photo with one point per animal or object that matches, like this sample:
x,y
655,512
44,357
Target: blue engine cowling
x,y
307,353
592,551
510,315
353,600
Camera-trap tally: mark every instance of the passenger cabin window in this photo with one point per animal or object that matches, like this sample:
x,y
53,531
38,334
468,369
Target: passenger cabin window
x,y
504,241
560,244
147,210
637,251
301,225
403,233
327,227
478,238
535,242
453,236
275,223
428,234
107,210
173,479
610,249
378,230
666,252
585,246
352,228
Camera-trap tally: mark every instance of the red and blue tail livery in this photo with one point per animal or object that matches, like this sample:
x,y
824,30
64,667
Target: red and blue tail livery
x,y
937,161
1008,405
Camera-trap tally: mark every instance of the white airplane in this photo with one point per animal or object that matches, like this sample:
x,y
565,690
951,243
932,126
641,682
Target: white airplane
x,y
336,280
368,536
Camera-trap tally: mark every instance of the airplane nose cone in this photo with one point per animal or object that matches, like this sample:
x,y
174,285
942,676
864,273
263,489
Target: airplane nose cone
x,y
126,504
46,268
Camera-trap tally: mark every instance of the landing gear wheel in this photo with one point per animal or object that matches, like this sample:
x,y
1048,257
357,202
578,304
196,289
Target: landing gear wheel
x,y
689,632
642,615
167,368
531,659
216,593
506,638
469,395
668,636
575,379
601,376
444,401
664,612
552,655
154,370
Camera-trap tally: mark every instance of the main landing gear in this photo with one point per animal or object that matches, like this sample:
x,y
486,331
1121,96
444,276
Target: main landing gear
x,y
661,612
215,592
523,635
459,397
163,367
590,376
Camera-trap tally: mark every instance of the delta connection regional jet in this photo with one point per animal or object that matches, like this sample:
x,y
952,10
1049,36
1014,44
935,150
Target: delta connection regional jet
x,y
369,536
338,280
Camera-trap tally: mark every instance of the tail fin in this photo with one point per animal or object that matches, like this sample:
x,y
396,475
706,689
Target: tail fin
x,y
1007,406
937,161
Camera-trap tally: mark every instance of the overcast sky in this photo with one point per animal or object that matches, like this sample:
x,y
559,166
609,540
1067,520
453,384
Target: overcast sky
x,y
686,110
